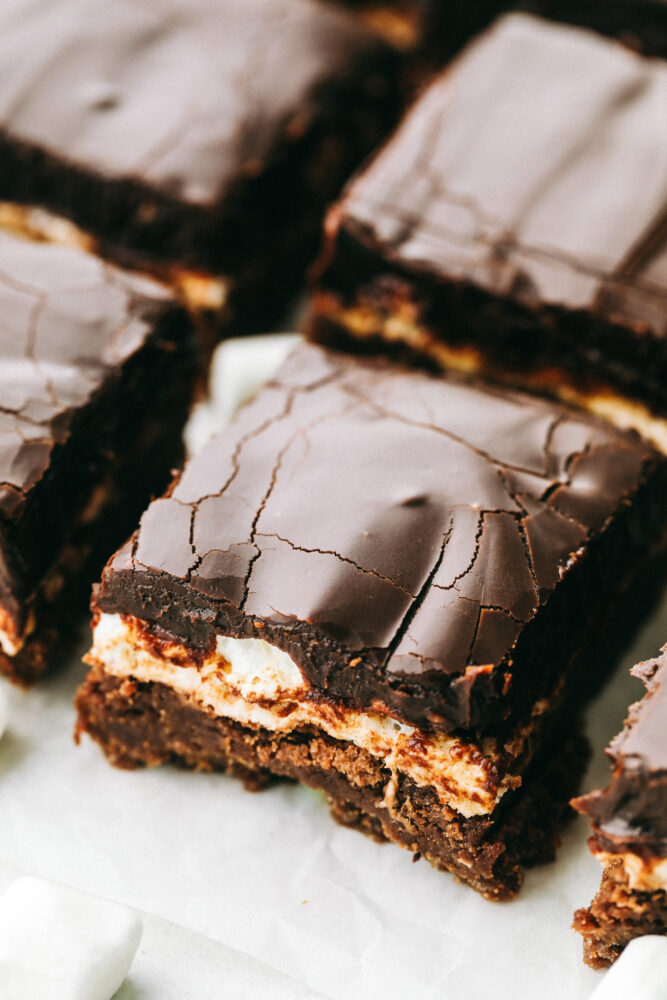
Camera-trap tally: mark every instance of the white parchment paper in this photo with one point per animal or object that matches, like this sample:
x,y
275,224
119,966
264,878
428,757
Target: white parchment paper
x,y
248,889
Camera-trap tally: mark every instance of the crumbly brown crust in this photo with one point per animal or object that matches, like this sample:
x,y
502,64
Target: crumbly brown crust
x,y
148,724
617,915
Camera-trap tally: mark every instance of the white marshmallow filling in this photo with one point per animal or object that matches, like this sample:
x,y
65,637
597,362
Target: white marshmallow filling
x,y
256,684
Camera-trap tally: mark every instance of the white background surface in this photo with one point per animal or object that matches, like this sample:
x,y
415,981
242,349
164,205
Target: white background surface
x,y
262,895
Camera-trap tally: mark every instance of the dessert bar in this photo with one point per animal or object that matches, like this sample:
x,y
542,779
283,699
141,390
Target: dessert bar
x,y
393,587
199,139
516,224
96,373
630,828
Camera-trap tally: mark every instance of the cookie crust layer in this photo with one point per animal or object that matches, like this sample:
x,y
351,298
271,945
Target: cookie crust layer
x,y
617,915
148,724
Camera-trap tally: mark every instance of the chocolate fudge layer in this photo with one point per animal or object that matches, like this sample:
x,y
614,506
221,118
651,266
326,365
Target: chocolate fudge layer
x,y
640,24
630,828
96,372
391,572
196,138
516,224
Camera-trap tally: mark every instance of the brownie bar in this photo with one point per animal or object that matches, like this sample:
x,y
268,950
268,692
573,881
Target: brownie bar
x,y
199,139
96,369
630,828
504,246
407,568
640,24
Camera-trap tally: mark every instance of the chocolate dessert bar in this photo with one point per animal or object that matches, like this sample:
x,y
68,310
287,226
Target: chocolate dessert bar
x,y
96,373
393,587
630,828
516,224
199,139
640,24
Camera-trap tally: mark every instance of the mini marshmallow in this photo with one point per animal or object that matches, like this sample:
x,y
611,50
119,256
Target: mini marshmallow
x,y
239,367
60,944
640,973
243,364
4,709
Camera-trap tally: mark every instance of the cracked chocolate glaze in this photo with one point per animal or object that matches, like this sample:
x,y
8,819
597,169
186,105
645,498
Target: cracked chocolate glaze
x,y
404,538
181,129
631,813
72,331
493,215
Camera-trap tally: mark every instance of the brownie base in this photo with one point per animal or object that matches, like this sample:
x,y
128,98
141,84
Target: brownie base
x,y
146,724
617,915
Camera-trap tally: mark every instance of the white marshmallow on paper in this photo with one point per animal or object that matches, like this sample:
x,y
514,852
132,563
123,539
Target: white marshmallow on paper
x,y
4,709
239,367
243,364
639,974
60,944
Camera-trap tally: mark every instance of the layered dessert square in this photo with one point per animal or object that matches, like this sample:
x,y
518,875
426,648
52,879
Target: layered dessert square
x,y
630,828
96,374
198,139
395,588
516,224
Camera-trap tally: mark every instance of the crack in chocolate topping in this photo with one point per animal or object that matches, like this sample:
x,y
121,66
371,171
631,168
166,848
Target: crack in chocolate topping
x,y
396,532
499,205
631,812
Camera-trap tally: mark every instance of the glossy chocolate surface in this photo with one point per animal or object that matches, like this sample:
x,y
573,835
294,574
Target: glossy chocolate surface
x,y
632,810
71,329
171,113
505,177
402,536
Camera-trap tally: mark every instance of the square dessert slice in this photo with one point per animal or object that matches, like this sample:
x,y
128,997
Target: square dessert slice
x,y
96,373
630,828
199,139
641,24
516,224
393,587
